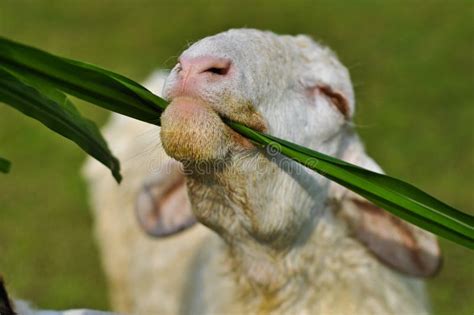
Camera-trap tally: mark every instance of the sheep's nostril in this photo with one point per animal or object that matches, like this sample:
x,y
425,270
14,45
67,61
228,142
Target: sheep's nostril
x,y
196,66
217,66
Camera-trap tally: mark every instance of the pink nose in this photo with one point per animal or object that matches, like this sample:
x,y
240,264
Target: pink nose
x,y
205,66
196,73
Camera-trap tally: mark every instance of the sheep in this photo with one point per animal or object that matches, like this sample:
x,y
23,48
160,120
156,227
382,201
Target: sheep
x,y
284,239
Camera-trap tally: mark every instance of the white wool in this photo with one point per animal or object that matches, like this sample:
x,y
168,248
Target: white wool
x,y
251,267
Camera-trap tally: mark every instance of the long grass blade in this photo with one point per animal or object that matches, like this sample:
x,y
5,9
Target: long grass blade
x,y
119,94
93,84
57,113
400,198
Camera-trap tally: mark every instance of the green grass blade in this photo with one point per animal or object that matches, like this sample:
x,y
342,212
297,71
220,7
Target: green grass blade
x,y
402,199
117,93
101,87
4,165
57,113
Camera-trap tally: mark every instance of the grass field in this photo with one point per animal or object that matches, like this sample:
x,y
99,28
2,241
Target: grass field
x,y
412,64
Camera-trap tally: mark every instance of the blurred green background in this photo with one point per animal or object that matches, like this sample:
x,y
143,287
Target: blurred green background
x,y
411,64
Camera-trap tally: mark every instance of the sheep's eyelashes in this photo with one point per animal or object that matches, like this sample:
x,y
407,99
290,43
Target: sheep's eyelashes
x,y
163,207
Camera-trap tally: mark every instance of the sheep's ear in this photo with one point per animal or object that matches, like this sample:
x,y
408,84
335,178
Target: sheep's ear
x,y
398,244
163,207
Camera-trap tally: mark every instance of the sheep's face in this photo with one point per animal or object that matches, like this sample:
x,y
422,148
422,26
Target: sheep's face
x,y
287,86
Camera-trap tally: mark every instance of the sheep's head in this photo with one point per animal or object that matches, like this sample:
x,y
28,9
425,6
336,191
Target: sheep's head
x,y
288,86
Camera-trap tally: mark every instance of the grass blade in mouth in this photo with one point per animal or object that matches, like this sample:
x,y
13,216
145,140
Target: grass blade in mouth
x,y
396,196
117,93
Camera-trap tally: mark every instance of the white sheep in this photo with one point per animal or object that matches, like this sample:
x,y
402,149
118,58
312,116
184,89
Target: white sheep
x,y
287,240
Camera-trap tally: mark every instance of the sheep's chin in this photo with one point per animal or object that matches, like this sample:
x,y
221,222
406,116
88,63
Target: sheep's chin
x,y
191,131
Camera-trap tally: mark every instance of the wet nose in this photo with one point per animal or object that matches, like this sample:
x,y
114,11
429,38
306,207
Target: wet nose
x,y
205,66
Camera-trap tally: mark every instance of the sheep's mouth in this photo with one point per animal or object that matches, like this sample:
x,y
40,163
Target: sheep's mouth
x,y
191,130
195,130
242,112
241,141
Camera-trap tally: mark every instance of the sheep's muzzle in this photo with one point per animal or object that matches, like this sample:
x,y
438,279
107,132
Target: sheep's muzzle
x,y
192,131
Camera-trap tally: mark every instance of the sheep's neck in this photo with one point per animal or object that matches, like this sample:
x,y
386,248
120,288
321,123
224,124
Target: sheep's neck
x,y
274,279
263,265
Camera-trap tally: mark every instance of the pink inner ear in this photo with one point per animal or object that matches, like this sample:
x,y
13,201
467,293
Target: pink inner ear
x,y
174,207
163,207
398,244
